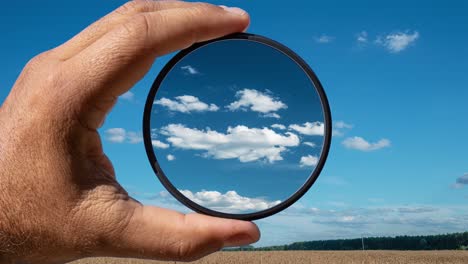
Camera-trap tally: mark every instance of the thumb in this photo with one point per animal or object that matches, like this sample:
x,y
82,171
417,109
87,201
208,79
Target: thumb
x,y
114,63
157,233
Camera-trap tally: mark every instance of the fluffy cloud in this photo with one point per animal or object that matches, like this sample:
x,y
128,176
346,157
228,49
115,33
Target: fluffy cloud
x,y
250,99
358,143
134,137
120,135
342,124
170,157
158,144
278,126
324,39
186,104
397,42
362,37
189,70
310,144
461,181
240,142
229,202
129,96
340,127
309,161
309,129
116,135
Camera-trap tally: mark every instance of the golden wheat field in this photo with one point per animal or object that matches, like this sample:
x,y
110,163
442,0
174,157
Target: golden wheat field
x,y
340,257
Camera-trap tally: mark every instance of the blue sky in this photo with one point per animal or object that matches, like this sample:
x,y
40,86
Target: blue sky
x,y
395,75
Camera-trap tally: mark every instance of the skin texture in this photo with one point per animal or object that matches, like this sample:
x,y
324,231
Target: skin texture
x,y
59,199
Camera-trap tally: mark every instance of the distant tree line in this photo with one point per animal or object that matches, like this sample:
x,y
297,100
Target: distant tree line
x,y
455,241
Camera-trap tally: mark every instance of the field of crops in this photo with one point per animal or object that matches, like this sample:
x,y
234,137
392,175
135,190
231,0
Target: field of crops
x,y
340,257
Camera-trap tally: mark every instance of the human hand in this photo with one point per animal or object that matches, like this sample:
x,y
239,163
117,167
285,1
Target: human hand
x,y
59,199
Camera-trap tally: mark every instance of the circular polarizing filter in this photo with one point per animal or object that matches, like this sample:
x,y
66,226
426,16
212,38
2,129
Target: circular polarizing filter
x,y
238,127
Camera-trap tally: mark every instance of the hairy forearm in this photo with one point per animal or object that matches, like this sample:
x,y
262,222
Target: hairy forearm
x,y
10,246
7,246
21,245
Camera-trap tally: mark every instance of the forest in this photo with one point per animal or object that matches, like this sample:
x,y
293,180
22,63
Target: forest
x,y
454,241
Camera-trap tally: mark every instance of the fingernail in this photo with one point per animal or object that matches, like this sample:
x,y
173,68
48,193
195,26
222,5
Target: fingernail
x,y
234,10
239,240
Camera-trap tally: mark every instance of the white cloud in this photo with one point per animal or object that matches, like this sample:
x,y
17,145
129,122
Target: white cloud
x,y
278,126
358,143
337,133
250,99
116,135
324,39
397,42
339,127
120,135
190,70
129,96
159,144
272,115
309,161
310,129
310,144
342,124
186,104
170,157
240,142
134,137
229,202
362,37
322,222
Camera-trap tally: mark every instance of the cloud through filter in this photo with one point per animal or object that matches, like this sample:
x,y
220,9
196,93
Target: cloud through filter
x,y
186,104
229,202
256,101
309,129
170,157
309,161
239,142
159,144
189,70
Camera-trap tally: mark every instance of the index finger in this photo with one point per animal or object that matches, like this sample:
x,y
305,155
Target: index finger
x,y
109,22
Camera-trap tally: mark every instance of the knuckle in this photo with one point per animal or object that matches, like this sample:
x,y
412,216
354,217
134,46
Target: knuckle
x,y
42,67
134,7
201,8
189,246
185,251
37,60
129,7
138,28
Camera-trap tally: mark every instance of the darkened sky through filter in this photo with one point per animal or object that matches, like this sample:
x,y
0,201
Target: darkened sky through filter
x,y
237,126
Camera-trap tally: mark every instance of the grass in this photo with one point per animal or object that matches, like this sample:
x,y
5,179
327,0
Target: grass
x,y
286,257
